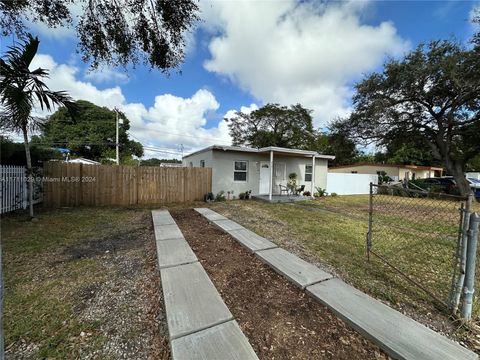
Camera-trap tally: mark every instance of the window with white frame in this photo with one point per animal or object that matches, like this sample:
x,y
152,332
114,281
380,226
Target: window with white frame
x,y
202,163
308,172
240,170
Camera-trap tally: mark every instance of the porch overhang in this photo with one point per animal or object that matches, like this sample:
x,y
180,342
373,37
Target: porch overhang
x,y
294,152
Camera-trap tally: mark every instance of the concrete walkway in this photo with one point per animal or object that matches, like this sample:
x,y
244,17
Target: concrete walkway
x,y
398,335
200,325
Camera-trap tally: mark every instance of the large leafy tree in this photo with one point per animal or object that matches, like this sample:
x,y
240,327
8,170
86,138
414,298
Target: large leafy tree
x,y
21,90
434,92
13,153
113,32
337,144
273,125
476,20
89,131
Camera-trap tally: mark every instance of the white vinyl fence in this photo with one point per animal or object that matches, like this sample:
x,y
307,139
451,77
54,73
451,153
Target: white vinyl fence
x,y
13,184
350,184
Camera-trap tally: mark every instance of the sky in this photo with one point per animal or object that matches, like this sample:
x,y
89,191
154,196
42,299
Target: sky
x,y
244,54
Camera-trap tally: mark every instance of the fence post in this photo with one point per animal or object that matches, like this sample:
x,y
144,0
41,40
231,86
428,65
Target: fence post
x,y
370,220
2,341
469,287
457,285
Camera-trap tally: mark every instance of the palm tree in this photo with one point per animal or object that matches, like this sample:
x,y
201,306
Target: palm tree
x,y
21,90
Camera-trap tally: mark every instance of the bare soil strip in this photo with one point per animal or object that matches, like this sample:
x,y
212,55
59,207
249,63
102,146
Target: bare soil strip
x,y
280,321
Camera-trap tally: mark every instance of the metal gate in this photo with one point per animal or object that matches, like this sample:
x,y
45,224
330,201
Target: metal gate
x,y
419,234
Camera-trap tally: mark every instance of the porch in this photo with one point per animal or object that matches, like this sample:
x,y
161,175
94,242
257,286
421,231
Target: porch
x,y
274,173
281,198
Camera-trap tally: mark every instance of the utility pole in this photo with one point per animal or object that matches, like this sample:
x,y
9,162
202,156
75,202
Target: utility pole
x,y
116,136
181,149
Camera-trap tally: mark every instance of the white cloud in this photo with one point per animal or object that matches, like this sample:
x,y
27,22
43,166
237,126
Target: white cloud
x,y
289,52
61,33
171,121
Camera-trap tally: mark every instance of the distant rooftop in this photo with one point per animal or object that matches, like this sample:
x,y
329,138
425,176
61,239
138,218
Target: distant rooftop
x,y
413,167
275,149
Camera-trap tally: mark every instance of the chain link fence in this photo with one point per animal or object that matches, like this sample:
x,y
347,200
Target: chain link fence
x,y
418,235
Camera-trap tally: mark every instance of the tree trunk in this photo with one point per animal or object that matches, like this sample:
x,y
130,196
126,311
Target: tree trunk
x,y
29,170
456,169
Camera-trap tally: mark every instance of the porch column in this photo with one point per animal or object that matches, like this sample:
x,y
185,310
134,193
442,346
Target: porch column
x,y
271,176
313,176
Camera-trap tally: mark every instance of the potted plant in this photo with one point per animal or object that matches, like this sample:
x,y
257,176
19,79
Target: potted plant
x,y
292,182
208,197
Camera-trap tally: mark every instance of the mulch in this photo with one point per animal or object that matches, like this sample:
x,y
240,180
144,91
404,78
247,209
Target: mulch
x,y
280,320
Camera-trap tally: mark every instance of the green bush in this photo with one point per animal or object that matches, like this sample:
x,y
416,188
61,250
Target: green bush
x,y
333,194
220,196
320,192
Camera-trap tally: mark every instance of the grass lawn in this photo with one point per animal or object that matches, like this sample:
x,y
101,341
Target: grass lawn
x,y
81,283
332,232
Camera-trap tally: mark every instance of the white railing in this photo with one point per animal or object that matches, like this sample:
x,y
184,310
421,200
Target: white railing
x,y
13,184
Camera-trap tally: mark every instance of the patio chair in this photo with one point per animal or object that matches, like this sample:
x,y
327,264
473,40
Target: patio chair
x,y
284,189
299,190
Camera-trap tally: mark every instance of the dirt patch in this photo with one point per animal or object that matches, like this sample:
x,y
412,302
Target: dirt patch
x,y
280,321
129,304
86,286
113,242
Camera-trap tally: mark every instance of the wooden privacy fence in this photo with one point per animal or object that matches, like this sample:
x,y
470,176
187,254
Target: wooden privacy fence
x,y
67,184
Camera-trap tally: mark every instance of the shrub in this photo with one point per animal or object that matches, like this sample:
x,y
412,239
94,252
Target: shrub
x,y
320,192
333,194
241,196
220,196
307,193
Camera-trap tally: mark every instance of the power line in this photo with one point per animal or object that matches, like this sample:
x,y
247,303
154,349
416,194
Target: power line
x,y
183,135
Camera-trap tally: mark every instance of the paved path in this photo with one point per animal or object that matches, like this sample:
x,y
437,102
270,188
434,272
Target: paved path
x,y
291,266
199,323
398,335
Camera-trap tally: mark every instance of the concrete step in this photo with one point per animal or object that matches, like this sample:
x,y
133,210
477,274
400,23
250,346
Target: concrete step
x,y
174,252
192,302
213,216
250,240
397,334
291,266
162,217
227,225
221,342
166,232
204,210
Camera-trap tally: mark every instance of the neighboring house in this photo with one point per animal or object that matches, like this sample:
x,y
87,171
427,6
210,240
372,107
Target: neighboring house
x,y
242,169
396,172
83,161
171,165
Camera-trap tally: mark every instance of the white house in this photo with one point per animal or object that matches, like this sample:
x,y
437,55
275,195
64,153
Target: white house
x,y
262,171
83,161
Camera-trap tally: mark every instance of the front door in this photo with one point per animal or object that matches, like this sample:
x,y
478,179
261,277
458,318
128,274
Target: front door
x,y
264,187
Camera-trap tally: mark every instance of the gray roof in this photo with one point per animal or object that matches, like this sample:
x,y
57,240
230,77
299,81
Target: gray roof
x,y
275,149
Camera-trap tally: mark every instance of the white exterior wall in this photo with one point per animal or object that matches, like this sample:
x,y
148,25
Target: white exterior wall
x,y
194,160
350,184
222,173
222,164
